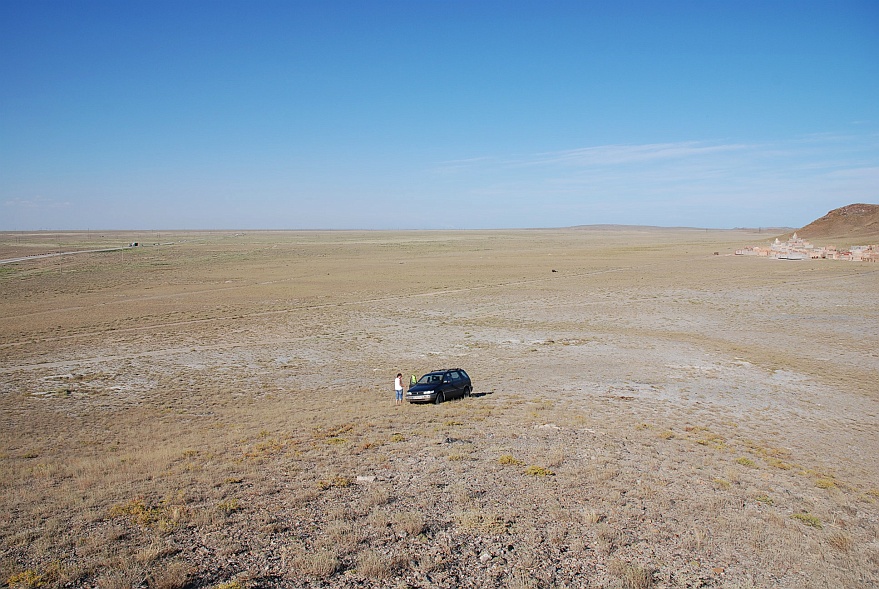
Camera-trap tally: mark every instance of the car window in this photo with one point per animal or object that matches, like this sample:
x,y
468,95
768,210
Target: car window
x,y
455,376
430,379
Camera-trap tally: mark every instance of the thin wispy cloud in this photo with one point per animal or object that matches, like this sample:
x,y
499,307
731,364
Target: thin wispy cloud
x,y
609,155
721,179
36,202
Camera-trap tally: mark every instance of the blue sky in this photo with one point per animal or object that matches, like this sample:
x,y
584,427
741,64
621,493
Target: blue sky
x,y
435,114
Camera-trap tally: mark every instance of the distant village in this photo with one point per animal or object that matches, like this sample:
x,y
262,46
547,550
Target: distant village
x,y
800,249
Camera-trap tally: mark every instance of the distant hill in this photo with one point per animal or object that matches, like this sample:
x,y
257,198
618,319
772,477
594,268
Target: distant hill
x,y
855,224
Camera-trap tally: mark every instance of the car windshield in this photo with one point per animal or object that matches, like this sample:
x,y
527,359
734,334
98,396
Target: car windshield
x,y
431,379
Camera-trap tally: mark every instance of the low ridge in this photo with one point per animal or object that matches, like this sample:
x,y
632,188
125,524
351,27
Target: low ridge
x,y
855,224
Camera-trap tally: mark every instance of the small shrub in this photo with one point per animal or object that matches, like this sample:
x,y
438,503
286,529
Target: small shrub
x,y
606,538
338,480
378,495
841,541
171,576
340,537
712,440
264,449
522,581
228,506
509,459
27,579
480,520
538,471
590,516
825,483
409,522
632,576
808,519
722,483
398,437
320,563
746,462
772,461
374,565
124,577
137,512
764,499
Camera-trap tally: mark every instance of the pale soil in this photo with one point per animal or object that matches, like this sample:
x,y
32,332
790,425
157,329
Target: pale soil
x,y
198,413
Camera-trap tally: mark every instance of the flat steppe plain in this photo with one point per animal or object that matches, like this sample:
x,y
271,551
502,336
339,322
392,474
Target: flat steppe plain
x,y
216,409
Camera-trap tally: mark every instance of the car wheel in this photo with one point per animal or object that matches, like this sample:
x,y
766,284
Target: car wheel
x,y
467,390
438,399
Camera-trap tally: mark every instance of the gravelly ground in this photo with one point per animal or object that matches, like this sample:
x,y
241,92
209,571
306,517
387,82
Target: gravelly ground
x,y
217,412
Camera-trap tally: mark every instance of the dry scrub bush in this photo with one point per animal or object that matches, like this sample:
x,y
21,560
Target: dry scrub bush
x,y
339,481
122,576
341,514
174,575
375,496
321,563
480,520
591,516
26,579
538,471
841,542
631,575
607,538
808,519
556,457
149,554
375,565
825,483
520,580
408,522
340,535
508,459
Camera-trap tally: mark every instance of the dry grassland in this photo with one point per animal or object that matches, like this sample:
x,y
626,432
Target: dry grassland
x,y
217,411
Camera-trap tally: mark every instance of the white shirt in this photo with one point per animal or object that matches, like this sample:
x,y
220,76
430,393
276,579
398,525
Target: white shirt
x,y
398,384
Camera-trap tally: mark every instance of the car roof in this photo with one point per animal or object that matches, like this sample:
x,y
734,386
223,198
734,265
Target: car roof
x,y
442,370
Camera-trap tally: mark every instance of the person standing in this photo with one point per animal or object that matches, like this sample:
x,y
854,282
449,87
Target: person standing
x,y
398,388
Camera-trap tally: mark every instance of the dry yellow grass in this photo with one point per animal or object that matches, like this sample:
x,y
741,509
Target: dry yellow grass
x,y
218,412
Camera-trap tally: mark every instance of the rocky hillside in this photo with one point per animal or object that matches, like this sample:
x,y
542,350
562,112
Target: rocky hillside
x,y
852,224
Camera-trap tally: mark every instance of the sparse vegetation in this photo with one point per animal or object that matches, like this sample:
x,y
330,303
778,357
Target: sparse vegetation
x,y
508,459
321,563
538,471
825,483
808,519
409,522
374,564
229,395
632,575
